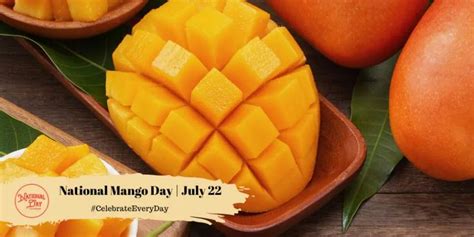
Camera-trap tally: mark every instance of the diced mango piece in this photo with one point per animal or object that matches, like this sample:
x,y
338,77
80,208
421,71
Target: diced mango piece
x,y
270,26
124,86
88,165
186,128
143,49
242,127
10,171
43,155
165,157
215,96
61,10
4,228
73,154
147,23
79,228
120,116
277,170
113,3
308,162
208,35
282,100
249,21
170,20
121,63
280,41
259,200
219,158
302,136
251,66
87,10
305,76
114,227
154,104
178,69
194,169
40,9
140,135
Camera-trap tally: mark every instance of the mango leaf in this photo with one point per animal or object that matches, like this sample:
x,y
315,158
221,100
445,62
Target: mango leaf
x,y
14,135
83,62
370,114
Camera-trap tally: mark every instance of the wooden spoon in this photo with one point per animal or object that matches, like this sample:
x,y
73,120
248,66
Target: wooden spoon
x,y
71,29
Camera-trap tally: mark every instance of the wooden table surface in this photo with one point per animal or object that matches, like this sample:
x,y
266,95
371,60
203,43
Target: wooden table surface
x,y
409,204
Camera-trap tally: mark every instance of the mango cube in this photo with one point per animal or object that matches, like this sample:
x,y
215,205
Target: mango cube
x,y
169,21
280,41
241,126
43,155
282,100
219,158
186,128
178,69
249,20
147,24
88,165
215,96
73,154
142,50
140,134
121,63
124,86
87,10
259,200
79,228
278,171
251,66
119,115
40,9
11,171
211,43
61,10
305,76
114,227
154,104
194,169
165,157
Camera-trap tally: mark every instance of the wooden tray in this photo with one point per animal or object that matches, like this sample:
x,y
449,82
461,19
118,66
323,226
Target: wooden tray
x,y
342,151
144,226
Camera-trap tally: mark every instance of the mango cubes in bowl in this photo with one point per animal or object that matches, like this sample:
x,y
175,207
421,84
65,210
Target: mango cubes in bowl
x,y
215,89
45,157
64,10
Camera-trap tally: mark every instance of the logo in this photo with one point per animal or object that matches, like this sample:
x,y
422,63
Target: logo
x,y
31,201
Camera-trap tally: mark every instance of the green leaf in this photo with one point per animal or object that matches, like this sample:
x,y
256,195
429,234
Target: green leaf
x,y
14,135
370,114
84,62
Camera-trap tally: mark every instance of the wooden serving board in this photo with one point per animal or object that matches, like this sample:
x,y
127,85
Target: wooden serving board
x,y
178,229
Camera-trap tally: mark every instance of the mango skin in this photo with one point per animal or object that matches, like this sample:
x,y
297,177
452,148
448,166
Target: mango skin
x,y
432,93
352,36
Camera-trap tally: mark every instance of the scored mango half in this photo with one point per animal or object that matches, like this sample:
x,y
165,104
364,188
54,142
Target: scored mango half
x,y
46,157
215,89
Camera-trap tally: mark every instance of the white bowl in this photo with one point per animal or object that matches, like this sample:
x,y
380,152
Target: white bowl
x,y
132,229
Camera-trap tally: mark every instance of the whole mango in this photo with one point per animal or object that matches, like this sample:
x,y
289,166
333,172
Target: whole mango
x,y
214,89
353,33
432,92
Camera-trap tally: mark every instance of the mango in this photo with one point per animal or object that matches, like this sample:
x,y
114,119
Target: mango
x,y
215,89
4,229
80,228
61,10
87,10
41,9
88,165
114,227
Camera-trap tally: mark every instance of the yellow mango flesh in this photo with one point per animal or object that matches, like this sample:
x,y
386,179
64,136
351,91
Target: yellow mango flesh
x,y
87,10
75,161
227,97
61,10
79,228
4,228
41,9
114,227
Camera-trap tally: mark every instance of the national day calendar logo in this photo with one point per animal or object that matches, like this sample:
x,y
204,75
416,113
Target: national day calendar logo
x,y
31,201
